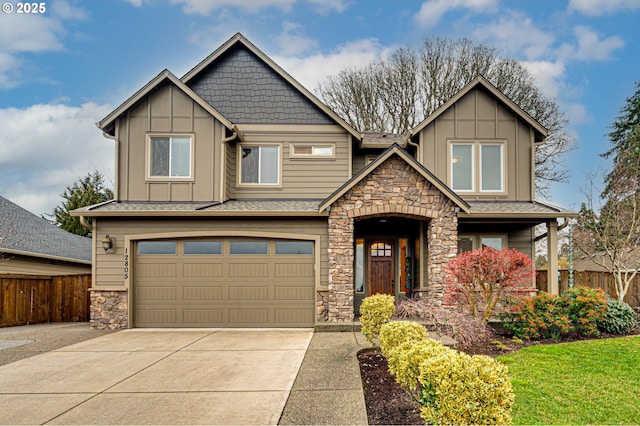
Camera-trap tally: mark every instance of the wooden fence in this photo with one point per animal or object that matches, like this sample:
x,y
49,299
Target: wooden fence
x,y
593,279
27,299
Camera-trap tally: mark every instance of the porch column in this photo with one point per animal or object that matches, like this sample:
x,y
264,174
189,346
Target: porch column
x,y
552,257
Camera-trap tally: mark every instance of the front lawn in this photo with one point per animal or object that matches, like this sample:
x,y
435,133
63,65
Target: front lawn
x,y
583,382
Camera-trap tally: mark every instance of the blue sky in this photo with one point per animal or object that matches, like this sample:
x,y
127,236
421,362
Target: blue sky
x,y
65,69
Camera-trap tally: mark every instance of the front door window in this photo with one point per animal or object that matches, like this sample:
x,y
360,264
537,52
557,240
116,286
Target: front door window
x,y
381,273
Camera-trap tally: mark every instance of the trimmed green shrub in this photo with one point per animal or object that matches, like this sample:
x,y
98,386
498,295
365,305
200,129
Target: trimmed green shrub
x,y
586,308
619,319
375,311
404,361
462,389
394,333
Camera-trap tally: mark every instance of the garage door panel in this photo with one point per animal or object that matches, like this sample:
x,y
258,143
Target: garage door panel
x,y
203,293
202,270
223,289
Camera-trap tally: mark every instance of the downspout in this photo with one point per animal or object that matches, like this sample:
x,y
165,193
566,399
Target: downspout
x,y
223,157
83,222
560,228
116,168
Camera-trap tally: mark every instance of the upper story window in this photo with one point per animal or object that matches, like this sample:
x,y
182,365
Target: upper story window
x,y
170,156
312,151
477,166
260,164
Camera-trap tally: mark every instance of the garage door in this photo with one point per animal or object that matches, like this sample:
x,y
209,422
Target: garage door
x,y
224,283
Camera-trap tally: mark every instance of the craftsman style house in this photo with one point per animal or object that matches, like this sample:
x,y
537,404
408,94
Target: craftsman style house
x,y
243,201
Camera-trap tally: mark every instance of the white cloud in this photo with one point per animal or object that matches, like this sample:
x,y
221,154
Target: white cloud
x,y
432,11
205,7
601,8
44,148
291,42
312,70
549,75
515,33
590,47
31,33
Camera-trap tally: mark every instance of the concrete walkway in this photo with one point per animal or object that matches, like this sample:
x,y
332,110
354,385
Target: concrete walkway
x,y
159,377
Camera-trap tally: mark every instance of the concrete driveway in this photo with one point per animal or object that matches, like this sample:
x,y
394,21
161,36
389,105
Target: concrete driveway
x,y
212,376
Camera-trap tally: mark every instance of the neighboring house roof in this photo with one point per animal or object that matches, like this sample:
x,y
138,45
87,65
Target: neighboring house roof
x,y
228,208
395,149
541,131
516,209
240,39
22,232
107,123
586,262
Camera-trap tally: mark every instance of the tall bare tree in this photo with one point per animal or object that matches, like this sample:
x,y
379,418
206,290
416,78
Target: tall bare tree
x,y
611,234
396,94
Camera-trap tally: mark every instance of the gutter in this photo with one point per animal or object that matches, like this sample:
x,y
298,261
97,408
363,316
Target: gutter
x,y
546,234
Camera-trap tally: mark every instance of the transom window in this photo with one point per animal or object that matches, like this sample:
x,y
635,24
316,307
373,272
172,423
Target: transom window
x,y
260,164
170,156
302,151
477,166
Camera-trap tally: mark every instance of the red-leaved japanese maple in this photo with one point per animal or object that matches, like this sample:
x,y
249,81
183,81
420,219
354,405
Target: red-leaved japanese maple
x,y
480,278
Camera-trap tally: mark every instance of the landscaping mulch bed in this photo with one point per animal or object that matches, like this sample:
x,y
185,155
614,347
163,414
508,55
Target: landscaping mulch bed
x,y
388,404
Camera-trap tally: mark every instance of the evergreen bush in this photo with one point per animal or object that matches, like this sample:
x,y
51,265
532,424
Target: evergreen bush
x,y
619,319
375,311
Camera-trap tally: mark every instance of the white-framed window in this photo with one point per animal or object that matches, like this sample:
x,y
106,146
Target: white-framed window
x,y
170,156
468,242
259,164
477,166
312,151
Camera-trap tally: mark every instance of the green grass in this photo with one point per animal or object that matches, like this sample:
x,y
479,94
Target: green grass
x,y
585,382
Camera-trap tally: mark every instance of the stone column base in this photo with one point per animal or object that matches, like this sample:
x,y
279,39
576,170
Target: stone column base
x,y
109,309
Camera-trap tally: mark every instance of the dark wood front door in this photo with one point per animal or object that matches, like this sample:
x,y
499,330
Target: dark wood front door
x,y
381,273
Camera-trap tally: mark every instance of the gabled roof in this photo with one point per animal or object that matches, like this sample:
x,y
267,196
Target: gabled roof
x,y
541,131
107,123
395,149
239,38
22,232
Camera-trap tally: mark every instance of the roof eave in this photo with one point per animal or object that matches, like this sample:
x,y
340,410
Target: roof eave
x,y
199,213
44,256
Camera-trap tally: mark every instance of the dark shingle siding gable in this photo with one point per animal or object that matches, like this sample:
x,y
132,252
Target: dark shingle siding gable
x,y
245,90
25,232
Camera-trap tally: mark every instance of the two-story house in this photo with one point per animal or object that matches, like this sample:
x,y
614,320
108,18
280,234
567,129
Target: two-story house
x,y
243,201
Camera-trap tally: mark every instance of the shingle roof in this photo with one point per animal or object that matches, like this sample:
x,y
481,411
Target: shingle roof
x,y
231,207
517,208
23,232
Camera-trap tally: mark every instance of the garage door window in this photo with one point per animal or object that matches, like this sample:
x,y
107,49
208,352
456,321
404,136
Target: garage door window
x,y
248,247
157,247
202,247
294,247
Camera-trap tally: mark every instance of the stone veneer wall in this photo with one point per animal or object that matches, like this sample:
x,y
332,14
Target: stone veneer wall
x,y
109,309
393,189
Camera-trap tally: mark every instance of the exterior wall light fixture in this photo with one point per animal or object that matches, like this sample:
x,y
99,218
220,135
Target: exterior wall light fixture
x,y
107,243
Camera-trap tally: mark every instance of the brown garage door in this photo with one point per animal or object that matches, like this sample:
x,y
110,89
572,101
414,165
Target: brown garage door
x,y
224,283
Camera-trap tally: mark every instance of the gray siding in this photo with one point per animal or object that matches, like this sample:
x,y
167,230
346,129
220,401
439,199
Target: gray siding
x,y
519,236
480,116
17,264
245,90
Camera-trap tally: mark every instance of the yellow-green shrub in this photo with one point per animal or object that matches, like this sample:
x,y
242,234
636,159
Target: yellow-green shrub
x,y
375,311
394,333
462,389
404,361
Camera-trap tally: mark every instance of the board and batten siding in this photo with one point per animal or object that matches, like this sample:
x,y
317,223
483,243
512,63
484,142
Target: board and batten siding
x,y
305,178
110,266
168,111
480,116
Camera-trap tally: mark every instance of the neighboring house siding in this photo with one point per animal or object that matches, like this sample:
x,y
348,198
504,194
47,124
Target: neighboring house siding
x,y
25,265
307,178
168,111
245,90
480,116
110,273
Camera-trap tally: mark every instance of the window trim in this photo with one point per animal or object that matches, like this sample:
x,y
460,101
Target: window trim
x,y
476,165
150,177
477,239
294,146
239,165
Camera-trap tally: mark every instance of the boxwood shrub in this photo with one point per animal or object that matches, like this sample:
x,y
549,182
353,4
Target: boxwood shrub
x,y
375,311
